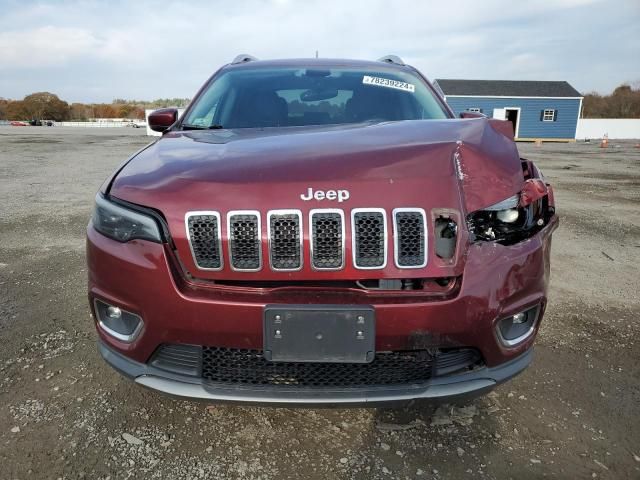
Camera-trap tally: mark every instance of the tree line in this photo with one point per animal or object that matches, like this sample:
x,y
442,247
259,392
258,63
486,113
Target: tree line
x,y
624,102
48,106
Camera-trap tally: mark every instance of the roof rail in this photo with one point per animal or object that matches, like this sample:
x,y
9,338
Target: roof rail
x,y
391,59
243,57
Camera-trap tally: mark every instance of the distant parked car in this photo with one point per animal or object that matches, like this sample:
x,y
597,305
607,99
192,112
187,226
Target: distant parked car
x,y
19,124
36,122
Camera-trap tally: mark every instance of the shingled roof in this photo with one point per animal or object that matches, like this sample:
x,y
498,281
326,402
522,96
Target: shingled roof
x,y
507,88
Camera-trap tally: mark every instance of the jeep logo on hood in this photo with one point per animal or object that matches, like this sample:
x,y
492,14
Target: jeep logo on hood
x,y
340,195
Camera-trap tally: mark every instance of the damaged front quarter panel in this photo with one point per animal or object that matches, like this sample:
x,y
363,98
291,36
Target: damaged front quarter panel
x,y
487,164
507,197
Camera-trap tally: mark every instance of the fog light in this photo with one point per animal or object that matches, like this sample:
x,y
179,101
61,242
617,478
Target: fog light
x,y
517,328
118,323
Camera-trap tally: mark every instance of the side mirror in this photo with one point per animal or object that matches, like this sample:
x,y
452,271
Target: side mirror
x,y
467,114
160,120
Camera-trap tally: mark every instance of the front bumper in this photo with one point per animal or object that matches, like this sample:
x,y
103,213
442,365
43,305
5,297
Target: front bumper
x,y
444,389
140,277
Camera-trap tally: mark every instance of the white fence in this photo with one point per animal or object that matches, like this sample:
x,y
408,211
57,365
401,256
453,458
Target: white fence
x,y
615,128
105,124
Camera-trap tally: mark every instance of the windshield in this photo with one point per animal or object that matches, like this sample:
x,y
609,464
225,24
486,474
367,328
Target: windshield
x,y
282,97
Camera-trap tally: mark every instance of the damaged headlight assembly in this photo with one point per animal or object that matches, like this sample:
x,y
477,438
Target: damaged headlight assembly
x,y
123,224
508,221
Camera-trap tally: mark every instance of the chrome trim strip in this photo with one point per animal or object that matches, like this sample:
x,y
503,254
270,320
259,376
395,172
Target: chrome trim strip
x,y
298,213
353,236
198,392
342,233
123,338
219,239
256,213
396,248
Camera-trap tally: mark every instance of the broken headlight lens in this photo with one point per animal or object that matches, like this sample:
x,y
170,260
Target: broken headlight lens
x,y
123,224
507,222
506,204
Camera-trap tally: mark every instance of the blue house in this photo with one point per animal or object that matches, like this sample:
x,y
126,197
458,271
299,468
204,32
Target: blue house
x,y
538,109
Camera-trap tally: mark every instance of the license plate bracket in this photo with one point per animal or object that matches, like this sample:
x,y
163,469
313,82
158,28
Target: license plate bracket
x,y
323,333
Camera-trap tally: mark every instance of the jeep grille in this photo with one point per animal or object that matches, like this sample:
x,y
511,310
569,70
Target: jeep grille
x,y
326,230
204,235
327,239
245,252
285,240
369,239
409,237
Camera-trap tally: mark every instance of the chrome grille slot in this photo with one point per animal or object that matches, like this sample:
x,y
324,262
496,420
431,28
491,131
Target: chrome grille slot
x,y
285,239
369,238
327,239
203,233
245,248
410,237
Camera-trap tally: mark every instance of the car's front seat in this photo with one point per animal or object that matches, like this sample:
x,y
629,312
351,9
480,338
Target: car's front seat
x,y
263,109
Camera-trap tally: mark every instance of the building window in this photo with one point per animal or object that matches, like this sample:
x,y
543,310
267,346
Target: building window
x,y
474,110
548,115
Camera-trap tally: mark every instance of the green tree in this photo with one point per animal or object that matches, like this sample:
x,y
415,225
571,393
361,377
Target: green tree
x,y
45,105
79,111
624,102
16,110
104,110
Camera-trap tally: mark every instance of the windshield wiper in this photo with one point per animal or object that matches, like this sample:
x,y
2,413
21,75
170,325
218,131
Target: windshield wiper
x,y
186,126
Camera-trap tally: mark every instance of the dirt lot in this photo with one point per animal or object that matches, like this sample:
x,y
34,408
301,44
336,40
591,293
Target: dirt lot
x,y
575,413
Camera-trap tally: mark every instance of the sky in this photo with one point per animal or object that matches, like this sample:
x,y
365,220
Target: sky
x,y
97,51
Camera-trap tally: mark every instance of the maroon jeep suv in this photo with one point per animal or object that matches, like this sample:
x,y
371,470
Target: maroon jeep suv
x,y
318,231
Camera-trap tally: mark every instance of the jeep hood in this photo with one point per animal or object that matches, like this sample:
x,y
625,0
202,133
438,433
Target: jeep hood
x,y
253,168
460,165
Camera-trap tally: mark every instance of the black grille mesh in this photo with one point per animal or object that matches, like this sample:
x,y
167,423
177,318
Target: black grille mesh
x,y
326,228
244,242
248,367
203,233
369,231
239,366
410,240
285,241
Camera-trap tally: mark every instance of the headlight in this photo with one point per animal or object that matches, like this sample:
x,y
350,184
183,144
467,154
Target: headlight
x,y
508,222
506,204
123,224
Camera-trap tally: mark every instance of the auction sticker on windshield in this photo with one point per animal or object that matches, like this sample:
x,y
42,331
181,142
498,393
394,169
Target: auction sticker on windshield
x,y
386,82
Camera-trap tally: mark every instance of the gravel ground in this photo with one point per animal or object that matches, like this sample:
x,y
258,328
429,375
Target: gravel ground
x,y
575,413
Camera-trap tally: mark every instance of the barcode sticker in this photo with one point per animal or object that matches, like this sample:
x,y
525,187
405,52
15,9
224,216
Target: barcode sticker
x,y
387,82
